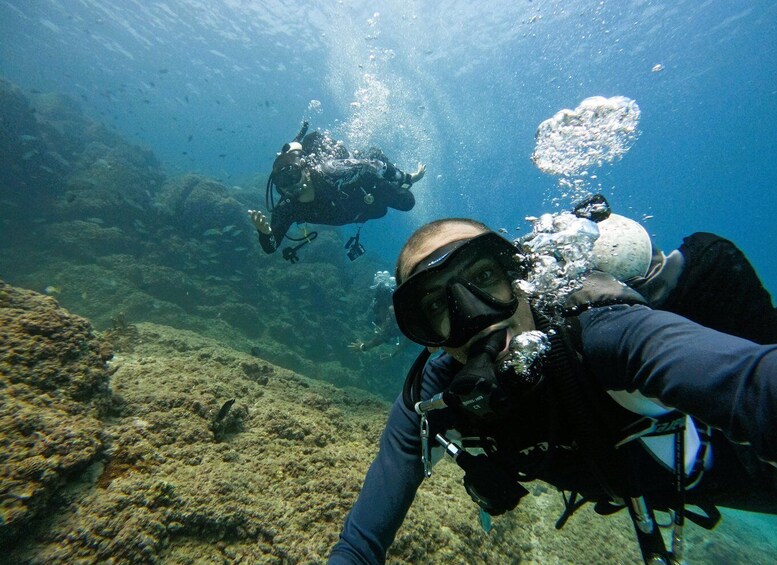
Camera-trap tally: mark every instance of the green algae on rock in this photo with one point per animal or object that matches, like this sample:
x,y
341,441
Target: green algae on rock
x,y
276,488
53,386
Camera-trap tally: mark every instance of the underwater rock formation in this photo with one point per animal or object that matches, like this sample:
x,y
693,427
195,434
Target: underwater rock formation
x,y
114,183
113,235
29,163
53,390
196,204
182,479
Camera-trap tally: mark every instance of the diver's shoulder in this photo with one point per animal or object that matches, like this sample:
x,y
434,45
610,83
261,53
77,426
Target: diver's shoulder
x,y
443,364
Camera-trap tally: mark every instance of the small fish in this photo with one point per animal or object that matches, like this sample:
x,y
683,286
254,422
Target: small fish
x,y
657,68
240,249
52,290
229,228
58,158
211,232
647,217
502,230
27,137
225,408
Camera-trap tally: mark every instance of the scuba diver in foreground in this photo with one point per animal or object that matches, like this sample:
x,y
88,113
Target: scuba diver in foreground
x,y
321,183
609,400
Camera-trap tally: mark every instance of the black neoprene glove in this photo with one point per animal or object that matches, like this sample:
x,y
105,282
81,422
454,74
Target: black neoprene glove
x,y
489,484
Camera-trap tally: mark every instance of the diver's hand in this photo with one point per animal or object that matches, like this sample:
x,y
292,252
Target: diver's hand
x,y
260,222
357,346
419,174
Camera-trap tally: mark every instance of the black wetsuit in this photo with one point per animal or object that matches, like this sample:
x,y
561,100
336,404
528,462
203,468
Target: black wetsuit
x,y
728,382
724,381
343,188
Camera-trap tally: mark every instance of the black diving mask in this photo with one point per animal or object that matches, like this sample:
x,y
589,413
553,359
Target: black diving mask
x,y
288,176
458,291
288,167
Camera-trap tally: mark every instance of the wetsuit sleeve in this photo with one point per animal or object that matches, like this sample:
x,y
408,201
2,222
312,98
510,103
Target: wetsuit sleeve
x,y
388,491
379,338
728,382
280,223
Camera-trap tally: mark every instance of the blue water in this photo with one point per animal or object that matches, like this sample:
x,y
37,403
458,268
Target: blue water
x,y
218,87
461,88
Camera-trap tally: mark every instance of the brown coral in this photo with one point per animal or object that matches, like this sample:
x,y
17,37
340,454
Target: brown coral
x,y
53,388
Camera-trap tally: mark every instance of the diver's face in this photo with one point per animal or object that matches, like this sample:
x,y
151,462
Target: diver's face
x,y
521,321
482,271
300,189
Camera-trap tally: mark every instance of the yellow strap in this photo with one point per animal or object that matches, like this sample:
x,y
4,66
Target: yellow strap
x,y
305,231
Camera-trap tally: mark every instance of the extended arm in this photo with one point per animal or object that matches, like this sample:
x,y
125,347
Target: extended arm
x,y
727,382
388,491
379,338
272,233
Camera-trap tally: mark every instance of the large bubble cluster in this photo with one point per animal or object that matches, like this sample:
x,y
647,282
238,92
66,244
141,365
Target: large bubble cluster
x,y
369,111
600,130
559,249
383,278
525,349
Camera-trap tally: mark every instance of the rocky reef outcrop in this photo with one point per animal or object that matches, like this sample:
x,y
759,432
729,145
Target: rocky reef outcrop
x,y
205,454
212,455
53,391
97,221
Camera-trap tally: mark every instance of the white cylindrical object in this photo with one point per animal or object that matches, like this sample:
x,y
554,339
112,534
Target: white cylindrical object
x,y
623,248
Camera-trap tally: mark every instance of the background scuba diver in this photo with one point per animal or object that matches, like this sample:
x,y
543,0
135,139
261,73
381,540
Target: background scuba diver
x,y
384,322
319,182
555,419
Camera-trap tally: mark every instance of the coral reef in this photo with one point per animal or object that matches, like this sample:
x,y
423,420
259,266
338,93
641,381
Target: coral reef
x,y
276,482
53,386
116,235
